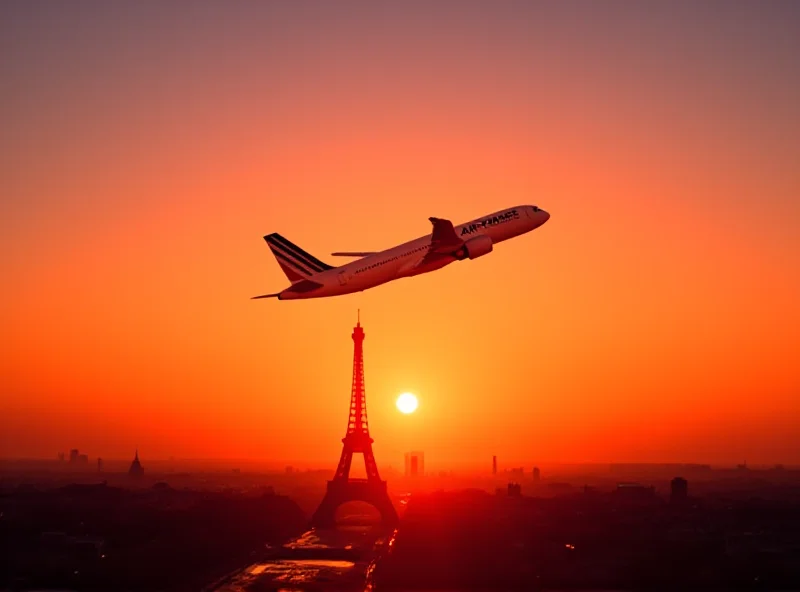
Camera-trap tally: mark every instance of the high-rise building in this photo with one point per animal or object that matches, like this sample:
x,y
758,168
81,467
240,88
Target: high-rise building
x,y
73,456
536,474
415,463
99,465
494,465
679,490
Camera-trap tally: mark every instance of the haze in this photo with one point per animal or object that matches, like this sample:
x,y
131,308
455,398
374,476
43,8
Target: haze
x,y
148,147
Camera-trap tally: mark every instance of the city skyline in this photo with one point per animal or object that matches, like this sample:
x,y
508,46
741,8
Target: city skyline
x,y
147,150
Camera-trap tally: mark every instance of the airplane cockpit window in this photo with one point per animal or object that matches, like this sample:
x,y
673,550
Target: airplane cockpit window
x,y
535,208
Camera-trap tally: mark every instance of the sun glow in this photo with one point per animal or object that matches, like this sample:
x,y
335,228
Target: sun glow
x,y
407,403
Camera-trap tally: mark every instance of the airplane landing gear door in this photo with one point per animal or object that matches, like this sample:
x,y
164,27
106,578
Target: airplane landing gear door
x,y
342,278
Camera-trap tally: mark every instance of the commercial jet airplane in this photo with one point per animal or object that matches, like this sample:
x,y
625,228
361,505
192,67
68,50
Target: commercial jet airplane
x,y
311,278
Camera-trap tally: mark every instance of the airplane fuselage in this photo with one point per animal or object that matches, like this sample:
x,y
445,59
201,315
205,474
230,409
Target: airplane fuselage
x,y
413,257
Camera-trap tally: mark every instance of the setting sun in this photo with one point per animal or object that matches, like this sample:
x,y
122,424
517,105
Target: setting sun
x,y
407,403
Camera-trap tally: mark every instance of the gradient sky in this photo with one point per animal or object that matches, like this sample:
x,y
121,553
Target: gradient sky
x,y
146,148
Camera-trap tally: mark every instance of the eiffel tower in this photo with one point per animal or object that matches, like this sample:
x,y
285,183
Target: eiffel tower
x,y
342,488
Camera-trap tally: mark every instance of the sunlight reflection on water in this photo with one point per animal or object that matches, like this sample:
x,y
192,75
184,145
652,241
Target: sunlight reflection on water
x,y
337,558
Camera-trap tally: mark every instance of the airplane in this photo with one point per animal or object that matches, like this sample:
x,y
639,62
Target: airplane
x,y
311,278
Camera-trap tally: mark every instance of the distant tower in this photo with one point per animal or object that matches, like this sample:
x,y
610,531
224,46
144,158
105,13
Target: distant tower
x,y
73,456
342,488
99,465
494,465
536,474
679,490
136,469
415,463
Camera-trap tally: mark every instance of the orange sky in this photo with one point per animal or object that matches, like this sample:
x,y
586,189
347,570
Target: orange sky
x,y
146,149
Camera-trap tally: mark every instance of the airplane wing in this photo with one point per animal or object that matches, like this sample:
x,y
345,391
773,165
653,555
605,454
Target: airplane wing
x,y
444,243
444,238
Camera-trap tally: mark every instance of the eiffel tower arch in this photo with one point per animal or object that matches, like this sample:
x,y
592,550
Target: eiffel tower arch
x,y
342,488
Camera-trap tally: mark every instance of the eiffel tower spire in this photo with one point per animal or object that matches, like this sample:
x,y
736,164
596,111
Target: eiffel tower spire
x,y
357,424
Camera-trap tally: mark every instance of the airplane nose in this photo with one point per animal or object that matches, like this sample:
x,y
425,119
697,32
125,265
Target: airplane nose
x,y
540,216
537,215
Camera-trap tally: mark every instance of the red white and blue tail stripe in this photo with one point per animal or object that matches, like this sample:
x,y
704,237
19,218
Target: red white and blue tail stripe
x,y
296,263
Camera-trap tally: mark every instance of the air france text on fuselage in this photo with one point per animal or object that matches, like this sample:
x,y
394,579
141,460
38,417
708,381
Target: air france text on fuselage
x,y
493,221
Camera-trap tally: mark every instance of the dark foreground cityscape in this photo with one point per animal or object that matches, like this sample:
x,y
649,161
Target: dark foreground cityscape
x,y
65,525
580,528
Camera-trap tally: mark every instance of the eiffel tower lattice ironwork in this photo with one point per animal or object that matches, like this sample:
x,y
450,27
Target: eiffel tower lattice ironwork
x,y
342,488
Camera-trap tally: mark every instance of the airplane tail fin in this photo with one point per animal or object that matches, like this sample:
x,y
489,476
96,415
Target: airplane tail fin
x,y
296,263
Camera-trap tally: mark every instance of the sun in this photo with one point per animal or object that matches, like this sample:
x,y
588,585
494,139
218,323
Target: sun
x,y
407,403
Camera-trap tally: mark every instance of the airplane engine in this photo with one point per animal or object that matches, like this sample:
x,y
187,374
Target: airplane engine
x,y
475,247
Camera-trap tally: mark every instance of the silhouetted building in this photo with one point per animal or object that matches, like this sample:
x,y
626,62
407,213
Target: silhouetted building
x,y
61,457
415,463
679,490
514,490
536,474
99,465
494,465
136,469
76,458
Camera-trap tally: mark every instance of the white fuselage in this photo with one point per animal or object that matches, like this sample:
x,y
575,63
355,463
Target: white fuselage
x,y
408,259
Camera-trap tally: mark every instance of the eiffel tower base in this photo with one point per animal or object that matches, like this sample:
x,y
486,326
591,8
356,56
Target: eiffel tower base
x,y
341,491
